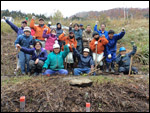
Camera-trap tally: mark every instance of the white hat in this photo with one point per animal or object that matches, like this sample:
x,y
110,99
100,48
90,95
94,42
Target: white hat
x,y
26,29
86,50
56,46
49,22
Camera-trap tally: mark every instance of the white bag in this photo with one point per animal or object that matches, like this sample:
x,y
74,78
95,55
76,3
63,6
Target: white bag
x,y
99,57
69,58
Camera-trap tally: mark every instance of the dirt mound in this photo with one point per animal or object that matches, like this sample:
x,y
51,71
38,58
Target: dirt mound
x,y
52,94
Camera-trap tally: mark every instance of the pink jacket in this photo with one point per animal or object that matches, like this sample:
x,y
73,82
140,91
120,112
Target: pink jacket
x,y
50,40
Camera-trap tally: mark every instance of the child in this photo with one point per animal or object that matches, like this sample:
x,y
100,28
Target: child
x,y
51,38
123,60
111,48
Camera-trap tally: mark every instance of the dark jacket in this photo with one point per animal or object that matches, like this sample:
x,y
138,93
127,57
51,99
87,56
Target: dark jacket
x,y
58,31
42,56
125,61
83,62
18,30
112,45
78,35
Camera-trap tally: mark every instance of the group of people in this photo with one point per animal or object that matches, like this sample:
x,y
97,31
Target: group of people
x,y
52,48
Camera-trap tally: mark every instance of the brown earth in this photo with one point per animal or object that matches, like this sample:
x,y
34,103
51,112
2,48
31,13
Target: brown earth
x,y
52,94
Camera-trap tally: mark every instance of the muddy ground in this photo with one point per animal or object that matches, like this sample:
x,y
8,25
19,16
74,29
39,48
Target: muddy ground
x,y
55,94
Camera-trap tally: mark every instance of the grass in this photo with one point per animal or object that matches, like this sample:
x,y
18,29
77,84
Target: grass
x,y
15,80
136,30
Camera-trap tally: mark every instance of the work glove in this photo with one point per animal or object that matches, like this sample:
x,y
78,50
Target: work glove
x,y
4,17
46,29
70,24
96,22
64,43
68,45
96,42
33,17
64,32
109,56
43,70
56,42
123,29
122,55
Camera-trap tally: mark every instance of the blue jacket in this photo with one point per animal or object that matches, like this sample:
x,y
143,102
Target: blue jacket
x,y
83,62
100,32
112,45
24,41
78,36
125,61
42,56
18,30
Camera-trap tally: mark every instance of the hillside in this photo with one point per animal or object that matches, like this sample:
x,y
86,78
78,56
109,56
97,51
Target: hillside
x,y
115,13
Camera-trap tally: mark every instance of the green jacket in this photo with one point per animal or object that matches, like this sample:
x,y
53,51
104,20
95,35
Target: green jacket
x,y
55,61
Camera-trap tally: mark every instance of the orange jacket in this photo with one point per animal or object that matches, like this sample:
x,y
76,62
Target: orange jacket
x,y
100,46
39,30
73,41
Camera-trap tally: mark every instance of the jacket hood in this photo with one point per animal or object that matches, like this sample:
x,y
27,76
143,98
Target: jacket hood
x,y
57,25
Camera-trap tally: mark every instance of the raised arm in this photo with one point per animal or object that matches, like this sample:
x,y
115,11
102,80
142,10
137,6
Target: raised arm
x,y
120,35
32,24
133,51
13,26
66,51
95,28
62,37
76,53
44,34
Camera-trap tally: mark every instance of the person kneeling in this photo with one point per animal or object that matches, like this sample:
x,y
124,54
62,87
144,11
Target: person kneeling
x,y
85,64
39,55
123,60
54,62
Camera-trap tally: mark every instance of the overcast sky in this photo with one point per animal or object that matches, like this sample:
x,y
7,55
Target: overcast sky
x,y
68,8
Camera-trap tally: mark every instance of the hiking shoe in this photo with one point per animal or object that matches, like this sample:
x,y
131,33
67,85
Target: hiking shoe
x,y
112,71
107,70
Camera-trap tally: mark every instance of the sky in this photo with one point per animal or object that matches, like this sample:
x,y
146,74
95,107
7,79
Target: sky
x,y
68,8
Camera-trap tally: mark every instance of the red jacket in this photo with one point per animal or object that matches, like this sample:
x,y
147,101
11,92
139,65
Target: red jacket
x,y
68,41
100,47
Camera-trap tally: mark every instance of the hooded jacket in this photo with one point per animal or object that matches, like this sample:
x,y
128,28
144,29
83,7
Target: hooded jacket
x,y
68,41
50,40
100,46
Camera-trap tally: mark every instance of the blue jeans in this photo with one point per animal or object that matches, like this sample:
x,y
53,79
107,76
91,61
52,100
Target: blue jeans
x,y
24,59
78,71
61,71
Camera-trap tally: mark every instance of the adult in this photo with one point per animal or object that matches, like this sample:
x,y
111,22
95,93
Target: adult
x,y
24,40
54,63
85,64
59,31
39,29
78,36
111,48
81,27
87,36
39,55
